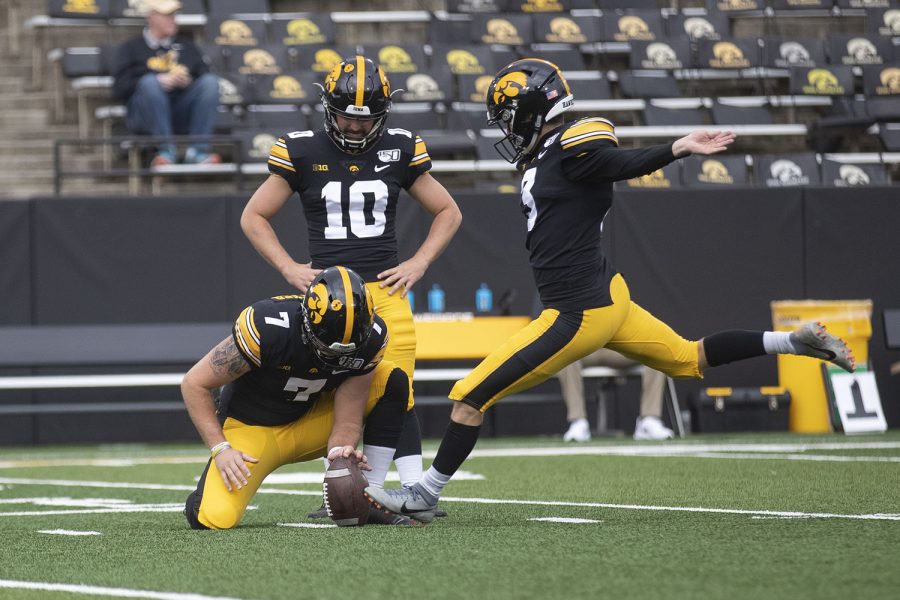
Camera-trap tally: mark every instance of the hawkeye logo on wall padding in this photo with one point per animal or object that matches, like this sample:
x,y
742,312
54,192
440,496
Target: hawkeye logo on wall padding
x,y
509,86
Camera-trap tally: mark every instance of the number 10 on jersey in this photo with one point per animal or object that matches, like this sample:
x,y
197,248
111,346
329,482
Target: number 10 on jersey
x,y
365,196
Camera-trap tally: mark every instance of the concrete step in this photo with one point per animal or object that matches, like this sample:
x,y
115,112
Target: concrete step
x,y
21,118
32,100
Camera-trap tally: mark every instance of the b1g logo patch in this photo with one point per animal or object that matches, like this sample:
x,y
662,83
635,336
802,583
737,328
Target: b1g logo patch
x,y
389,155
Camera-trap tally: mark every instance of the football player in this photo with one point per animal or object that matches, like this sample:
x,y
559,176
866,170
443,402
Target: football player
x,y
349,175
301,375
568,170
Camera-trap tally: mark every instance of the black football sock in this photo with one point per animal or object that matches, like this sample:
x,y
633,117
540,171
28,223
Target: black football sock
x,y
458,442
408,456
729,346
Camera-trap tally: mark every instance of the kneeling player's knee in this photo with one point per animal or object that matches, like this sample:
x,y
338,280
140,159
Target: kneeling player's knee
x,y
220,515
192,510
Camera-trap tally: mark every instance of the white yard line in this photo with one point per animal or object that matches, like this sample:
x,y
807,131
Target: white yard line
x,y
308,525
699,450
103,591
564,520
693,509
68,532
139,486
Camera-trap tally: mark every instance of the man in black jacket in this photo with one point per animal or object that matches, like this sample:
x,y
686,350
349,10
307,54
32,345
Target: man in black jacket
x,y
167,85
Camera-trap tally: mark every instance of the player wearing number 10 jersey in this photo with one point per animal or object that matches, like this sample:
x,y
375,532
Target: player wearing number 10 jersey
x,y
349,175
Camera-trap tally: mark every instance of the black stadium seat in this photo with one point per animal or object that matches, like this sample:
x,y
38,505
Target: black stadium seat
x,y
662,179
788,52
566,29
648,85
787,170
476,6
505,29
735,53
656,115
633,25
302,31
466,118
822,81
321,58
277,120
91,9
713,26
882,81
422,119
714,171
83,62
473,88
234,7
595,88
397,58
228,31
789,5
851,175
448,31
726,114
883,21
464,58
858,49
264,60
290,87
567,59
889,134
543,6
670,54
734,7
434,85
255,144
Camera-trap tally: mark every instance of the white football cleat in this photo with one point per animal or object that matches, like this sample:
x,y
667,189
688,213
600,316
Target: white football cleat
x,y
579,431
652,428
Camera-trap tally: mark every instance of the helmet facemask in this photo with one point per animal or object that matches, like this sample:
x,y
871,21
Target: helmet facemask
x,y
353,146
356,89
521,131
334,355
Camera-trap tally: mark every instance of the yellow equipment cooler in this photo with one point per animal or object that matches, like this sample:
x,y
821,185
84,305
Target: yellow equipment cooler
x,y
850,320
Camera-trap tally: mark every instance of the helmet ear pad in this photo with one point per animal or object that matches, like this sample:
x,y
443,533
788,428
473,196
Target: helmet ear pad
x,y
356,88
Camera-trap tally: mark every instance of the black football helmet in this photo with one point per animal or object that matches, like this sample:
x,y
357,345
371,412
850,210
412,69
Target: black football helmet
x,y
522,97
356,88
338,315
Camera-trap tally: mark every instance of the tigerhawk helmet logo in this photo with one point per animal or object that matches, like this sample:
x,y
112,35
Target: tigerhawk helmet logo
x,y
634,27
699,28
787,172
661,55
331,79
861,51
235,33
228,92
794,53
728,55
565,30
656,179
463,61
81,6
262,145
822,81
542,6
509,86
892,22
890,80
317,303
303,31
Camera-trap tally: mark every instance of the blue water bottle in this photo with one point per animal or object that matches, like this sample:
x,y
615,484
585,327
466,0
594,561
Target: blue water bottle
x,y
435,299
412,300
484,299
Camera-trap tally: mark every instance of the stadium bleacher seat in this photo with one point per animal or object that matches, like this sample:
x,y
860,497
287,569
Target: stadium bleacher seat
x,y
850,175
634,4
292,87
464,59
650,84
786,170
86,9
792,5
662,179
321,58
397,58
595,87
822,81
506,29
883,21
466,117
238,7
302,31
434,85
485,150
472,88
882,80
227,31
271,59
713,26
476,6
567,59
449,29
734,53
735,7
864,3
714,171
633,25
889,134
84,62
255,144
276,120
670,54
551,6
655,115
416,117
783,53
858,49
566,29
728,114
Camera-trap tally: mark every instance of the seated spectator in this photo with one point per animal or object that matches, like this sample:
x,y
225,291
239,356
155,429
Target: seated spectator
x,y
167,85
649,424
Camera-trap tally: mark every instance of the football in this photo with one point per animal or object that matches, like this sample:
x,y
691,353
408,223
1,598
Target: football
x,y
343,493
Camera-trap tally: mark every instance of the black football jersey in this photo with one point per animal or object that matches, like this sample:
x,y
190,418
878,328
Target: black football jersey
x,y
350,200
566,191
286,378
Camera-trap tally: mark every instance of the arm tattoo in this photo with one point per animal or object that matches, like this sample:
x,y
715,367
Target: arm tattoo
x,y
227,359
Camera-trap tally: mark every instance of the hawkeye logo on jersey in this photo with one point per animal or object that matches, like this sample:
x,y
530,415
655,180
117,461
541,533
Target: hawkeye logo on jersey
x,y
320,167
389,155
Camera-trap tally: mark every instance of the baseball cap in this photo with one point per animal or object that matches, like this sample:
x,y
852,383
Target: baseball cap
x,y
163,7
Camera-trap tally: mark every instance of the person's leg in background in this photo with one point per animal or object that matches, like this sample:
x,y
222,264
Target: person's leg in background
x,y
571,385
194,111
150,113
649,425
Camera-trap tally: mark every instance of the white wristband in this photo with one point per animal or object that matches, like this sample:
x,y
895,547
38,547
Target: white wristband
x,y
215,450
